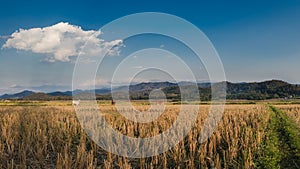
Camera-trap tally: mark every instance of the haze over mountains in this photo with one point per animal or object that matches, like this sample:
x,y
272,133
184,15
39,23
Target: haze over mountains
x,y
251,91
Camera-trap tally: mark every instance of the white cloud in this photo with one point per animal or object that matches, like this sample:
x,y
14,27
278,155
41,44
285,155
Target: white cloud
x,y
61,41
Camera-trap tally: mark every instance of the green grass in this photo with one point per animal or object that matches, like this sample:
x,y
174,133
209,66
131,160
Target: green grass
x,y
281,148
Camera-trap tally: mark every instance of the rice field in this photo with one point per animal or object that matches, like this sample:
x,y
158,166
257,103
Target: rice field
x,y
293,111
46,135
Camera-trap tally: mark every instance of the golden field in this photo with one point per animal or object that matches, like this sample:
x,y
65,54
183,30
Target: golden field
x,y
293,111
48,135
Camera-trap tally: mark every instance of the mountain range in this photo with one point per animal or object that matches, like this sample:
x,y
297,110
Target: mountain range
x,y
271,89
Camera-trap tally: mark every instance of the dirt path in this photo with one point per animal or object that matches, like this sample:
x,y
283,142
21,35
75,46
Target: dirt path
x,y
281,148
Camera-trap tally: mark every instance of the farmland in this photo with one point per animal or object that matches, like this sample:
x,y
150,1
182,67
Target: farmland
x,y
48,135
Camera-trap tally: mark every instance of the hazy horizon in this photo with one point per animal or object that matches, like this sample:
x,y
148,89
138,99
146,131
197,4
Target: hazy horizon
x,y
57,88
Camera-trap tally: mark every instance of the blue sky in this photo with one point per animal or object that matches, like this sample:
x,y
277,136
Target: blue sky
x,y
256,40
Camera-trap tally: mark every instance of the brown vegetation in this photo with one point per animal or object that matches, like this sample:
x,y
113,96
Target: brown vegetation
x,y
293,111
51,137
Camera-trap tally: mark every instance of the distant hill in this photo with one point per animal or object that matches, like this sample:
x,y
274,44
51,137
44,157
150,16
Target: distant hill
x,y
263,90
17,95
39,96
60,94
271,89
102,91
44,96
150,86
144,86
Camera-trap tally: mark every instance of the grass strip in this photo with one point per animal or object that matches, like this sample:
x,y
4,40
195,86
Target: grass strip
x,y
281,147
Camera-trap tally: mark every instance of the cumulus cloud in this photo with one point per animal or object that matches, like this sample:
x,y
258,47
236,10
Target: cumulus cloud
x,y
61,42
